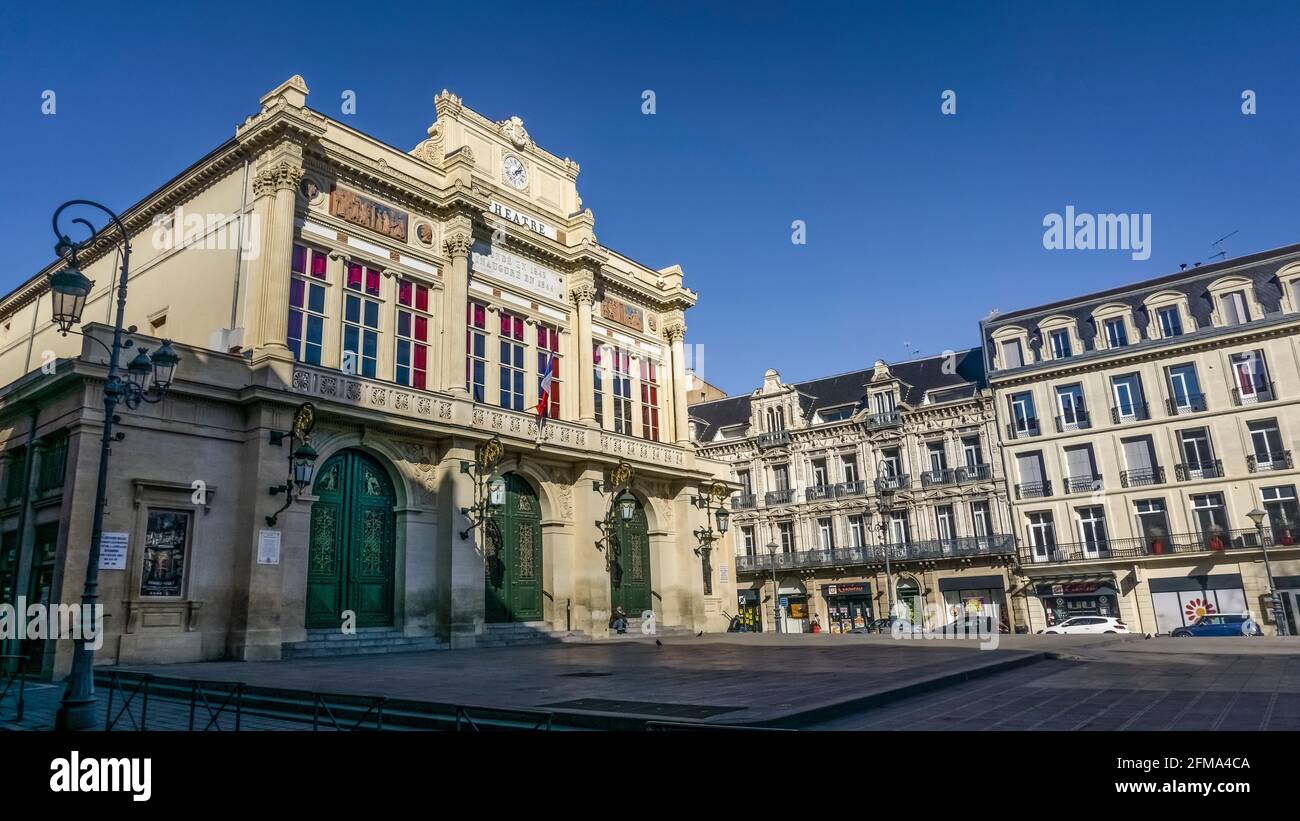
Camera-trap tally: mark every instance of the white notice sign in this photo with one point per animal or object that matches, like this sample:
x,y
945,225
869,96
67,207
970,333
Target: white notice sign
x,y
112,551
268,547
517,270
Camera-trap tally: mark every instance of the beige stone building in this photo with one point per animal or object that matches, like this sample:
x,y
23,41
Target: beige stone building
x,y
836,474
415,298
1140,426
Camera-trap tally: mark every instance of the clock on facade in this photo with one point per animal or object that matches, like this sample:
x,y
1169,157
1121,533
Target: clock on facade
x,y
515,172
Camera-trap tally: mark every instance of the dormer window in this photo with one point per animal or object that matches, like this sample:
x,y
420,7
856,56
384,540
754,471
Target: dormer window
x,y
1116,332
1060,340
1013,354
1233,307
1171,321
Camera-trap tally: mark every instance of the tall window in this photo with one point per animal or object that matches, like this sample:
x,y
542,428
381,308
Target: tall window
x,y
307,304
981,520
786,530
1042,535
598,383
649,401
938,458
974,452
361,320
746,482
1211,516
825,534
850,464
820,476
1171,321
548,348
1251,376
1266,442
512,361
1283,513
899,531
1024,421
1012,354
781,477
476,348
1185,389
1069,404
622,379
1061,348
1130,403
747,537
412,334
1092,529
857,531
884,402
1196,448
1116,333
1234,308
943,520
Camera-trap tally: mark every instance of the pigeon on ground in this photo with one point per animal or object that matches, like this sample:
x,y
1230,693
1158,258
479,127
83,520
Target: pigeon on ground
x,y
658,643
697,635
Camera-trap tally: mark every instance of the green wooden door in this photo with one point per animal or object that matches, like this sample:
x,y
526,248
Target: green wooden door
x,y
629,575
350,556
512,548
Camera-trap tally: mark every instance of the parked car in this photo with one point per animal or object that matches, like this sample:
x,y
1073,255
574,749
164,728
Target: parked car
x,y
1220,624
973,625
893,624
1088,624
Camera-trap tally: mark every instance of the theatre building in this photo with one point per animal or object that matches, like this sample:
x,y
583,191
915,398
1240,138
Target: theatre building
x,y
837,474
1148,437
422,302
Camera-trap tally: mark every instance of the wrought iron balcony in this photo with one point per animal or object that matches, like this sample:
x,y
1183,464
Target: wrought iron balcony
x,y
1202,542
888,419
1033,490
820,492
943,476
1277,460
975,473
779,497
1083,484
1137,412
1142,477
743,501
1193,403
893,482
1023,429
773,439
872,555
1191,471
856,488
1081,421
1262,393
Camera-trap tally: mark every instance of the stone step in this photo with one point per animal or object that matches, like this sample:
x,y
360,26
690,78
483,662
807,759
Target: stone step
x,y
334,652
365,642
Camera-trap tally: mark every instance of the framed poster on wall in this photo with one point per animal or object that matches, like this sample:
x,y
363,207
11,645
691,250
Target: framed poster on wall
x,y
166,541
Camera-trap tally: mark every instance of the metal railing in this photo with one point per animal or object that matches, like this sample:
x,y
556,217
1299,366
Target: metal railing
x,y
779,497
1277,460
1023,429
9,679
1191,471
893,482
975,473
1142,476
1132,548
1082,484
943,476
962,547
743,501
773,439
855,488
1081,421
1137,412
1192,403
1034,490
541,720
1261,393
814,494
887,419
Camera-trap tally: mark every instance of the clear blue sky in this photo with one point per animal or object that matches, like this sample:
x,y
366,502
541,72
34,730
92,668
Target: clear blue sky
x,y
917,223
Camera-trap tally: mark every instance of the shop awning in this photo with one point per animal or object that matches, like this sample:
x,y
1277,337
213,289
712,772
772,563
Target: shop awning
x,y
1073,578
971,583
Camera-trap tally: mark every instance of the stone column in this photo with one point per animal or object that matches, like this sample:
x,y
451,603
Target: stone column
x,y
675,333
455,296
275,188
583,295
460,594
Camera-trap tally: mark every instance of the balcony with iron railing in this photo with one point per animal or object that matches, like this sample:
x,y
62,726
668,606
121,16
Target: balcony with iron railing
x,y
1192,403
941,476
930,550
743,501
778,497
1136,412
819,493
1083,484
1191,471
1141,477
887,419
975,473
773,439
1264,462
1034,490
1080,421
1023,429
1208,541
1262,392
854,488
892,482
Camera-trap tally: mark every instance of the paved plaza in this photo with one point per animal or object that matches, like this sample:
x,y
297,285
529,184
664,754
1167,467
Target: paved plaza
x,y
845,682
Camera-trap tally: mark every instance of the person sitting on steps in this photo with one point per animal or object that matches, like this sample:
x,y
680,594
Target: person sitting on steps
x,y
618,621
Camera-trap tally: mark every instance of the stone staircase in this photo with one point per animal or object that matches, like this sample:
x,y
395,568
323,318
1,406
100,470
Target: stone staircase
x,y
661,632
366,641
515,634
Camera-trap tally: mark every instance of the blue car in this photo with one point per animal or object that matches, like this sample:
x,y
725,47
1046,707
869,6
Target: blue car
x,y
1220,624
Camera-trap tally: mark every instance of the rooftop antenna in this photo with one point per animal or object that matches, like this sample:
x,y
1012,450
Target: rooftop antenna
x,y
912,350
1223,249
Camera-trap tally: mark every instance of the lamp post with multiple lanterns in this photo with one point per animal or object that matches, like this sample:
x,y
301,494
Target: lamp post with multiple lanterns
x,y
714,506
1279,614
148,378
772,547
886,478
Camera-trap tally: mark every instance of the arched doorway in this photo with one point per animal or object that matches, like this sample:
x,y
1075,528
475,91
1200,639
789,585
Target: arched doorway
x,y
350,553
907,599
512,548
629,571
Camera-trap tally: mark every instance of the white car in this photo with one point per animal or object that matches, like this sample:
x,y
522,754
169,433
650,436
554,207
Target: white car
x,y
1088,624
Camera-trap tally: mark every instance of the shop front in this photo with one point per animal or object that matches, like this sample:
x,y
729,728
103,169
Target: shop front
x,y
848,605
749,611
1288,587
794,607
971,596
1182,601
1066,599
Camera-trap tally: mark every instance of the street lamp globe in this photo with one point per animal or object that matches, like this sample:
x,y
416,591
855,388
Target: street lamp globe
x,y
724,519
772,547
164,360
68,291
304,464
627,507
1257,516
140,369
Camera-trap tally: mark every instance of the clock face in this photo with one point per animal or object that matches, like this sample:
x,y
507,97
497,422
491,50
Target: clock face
x,y
515,172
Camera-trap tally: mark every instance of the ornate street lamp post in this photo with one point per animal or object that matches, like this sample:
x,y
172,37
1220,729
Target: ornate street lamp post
x,y
885,480
302,459
714,506
772,547
148,378
1274,600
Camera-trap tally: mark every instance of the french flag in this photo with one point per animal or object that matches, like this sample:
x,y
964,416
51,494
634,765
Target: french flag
x,y
544,389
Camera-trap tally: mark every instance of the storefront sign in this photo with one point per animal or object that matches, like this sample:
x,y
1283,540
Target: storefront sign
x,y
367,213
517,270
505,212
112,551
616,310
847,589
